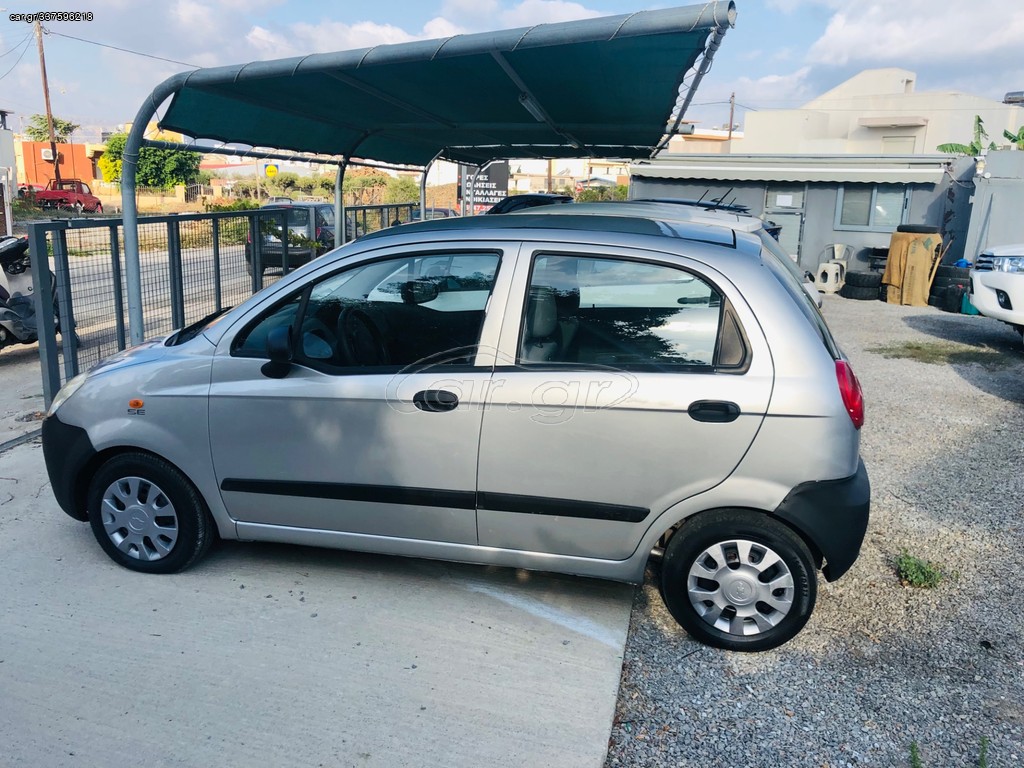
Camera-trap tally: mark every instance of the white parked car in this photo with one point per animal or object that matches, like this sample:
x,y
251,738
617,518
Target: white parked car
x,y
997,284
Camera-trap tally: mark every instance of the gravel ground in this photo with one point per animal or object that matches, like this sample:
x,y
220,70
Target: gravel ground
x,y
879,665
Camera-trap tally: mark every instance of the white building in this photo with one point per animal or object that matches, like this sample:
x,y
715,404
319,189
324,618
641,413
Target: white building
x,y
877,112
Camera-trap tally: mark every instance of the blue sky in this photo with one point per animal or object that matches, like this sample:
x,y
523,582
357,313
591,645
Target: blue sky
x,y
781,53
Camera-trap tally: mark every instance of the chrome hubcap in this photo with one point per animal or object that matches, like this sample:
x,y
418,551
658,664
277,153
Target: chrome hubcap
x,y
740,587
139,518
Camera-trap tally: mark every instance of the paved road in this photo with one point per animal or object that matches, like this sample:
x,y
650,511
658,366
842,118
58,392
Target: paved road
x,y
286,656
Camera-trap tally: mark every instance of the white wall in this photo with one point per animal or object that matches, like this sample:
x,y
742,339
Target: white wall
x,y
830,123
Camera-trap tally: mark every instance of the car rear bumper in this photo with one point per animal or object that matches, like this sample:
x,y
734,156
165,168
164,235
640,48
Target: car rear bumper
x,y
67,450
833,515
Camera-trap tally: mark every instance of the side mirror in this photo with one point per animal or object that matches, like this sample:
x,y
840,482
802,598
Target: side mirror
x,y
419,291
279,349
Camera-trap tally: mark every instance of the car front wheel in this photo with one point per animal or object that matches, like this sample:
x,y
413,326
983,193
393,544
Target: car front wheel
x,y
147,516
738,580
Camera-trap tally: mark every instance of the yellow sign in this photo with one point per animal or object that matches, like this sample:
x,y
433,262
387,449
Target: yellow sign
x,y
271,170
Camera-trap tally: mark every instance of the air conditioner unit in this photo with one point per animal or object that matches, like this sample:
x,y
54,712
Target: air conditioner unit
x,y
46,153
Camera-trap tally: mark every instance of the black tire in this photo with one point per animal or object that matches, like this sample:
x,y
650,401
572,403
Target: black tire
x,y
78,208
948,271
918,229
953,299
935,301
186,530
690,545
864,279
883,292
860,294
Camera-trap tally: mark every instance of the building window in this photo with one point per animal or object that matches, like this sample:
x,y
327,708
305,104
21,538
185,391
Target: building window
x,y
876,208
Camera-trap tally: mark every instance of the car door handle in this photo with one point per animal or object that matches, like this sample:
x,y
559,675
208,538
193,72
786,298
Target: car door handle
x,y
435,400
714,411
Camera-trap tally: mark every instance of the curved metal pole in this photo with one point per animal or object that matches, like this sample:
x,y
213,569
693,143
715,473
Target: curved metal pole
x,y
423,185
339,205
423,191
130,213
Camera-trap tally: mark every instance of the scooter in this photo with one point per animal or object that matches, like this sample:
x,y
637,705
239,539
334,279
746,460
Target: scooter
x,y
17,303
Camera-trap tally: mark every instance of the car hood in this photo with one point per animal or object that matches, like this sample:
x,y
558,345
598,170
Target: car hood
x,y
1005,250
143,353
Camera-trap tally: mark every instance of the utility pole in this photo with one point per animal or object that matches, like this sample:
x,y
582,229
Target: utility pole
x,y
732,111
46,97
550,188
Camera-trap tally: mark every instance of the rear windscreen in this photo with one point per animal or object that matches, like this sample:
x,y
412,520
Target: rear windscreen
x,y
794,286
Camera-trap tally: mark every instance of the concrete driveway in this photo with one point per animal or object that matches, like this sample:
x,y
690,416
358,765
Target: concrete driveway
x,y
268,655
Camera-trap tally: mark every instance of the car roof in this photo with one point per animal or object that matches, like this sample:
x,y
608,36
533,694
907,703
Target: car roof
x,y
714,232
668,212
297,204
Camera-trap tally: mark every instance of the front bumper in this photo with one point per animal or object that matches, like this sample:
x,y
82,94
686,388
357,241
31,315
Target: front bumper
x,y
67,450
985,297
833,514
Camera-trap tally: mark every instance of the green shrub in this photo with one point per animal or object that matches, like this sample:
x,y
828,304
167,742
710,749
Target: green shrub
x,y
915,572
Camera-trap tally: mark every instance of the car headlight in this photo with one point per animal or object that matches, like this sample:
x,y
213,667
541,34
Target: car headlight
x,y
1008,264
72,386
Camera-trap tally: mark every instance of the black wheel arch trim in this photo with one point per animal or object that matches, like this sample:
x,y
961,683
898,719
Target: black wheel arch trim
x,y
67,451
833,516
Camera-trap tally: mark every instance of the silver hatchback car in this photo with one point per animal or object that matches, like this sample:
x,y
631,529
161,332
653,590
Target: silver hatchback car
x,y
564,393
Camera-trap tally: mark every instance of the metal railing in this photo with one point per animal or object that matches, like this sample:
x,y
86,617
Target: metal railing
x,y
191,265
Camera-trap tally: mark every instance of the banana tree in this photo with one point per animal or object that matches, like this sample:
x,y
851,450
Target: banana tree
x,y
975,148
1015,138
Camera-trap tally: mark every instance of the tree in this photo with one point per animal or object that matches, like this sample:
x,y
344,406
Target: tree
x,y
1015,138
594,194
161,168
975,148
38,130
365,185
401,190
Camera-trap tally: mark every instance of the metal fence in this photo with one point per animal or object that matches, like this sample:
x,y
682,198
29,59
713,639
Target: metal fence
x,y
191,266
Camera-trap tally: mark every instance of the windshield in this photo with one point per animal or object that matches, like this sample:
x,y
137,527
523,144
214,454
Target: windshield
x,y
189,332
772,245
794,286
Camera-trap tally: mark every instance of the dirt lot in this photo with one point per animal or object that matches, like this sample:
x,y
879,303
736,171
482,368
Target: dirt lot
x,y
881,665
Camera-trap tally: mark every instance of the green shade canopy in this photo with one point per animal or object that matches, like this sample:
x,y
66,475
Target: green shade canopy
x,y
603,87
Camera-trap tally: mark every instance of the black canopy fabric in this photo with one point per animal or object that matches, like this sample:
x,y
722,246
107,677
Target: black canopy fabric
x,y
603,87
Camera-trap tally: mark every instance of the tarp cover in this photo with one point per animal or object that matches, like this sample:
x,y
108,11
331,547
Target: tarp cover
x,y
604,87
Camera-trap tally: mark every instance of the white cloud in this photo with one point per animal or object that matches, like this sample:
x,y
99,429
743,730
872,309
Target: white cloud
x,y
189,13
918,31
470,8
338,36
778,91
531,12
441,27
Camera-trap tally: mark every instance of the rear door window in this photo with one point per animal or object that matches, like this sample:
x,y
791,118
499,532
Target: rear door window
x,y
624,313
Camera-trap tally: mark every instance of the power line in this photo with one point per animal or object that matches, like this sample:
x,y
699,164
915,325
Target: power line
x,y
16,63
12,50
123,50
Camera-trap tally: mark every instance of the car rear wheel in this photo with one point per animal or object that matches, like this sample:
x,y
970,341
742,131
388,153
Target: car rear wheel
x,y
147,516
738,580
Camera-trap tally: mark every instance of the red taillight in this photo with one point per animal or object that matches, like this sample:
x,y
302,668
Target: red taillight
x,y
318,233
853,396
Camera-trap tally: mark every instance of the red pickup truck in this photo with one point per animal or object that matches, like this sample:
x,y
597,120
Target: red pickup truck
x,y
69,193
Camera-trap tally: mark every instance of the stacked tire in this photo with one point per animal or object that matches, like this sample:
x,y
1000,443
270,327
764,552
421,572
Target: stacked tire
x,y
862,286
949,287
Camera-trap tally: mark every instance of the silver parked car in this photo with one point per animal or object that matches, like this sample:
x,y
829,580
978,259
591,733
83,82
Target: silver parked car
x,y
565,393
